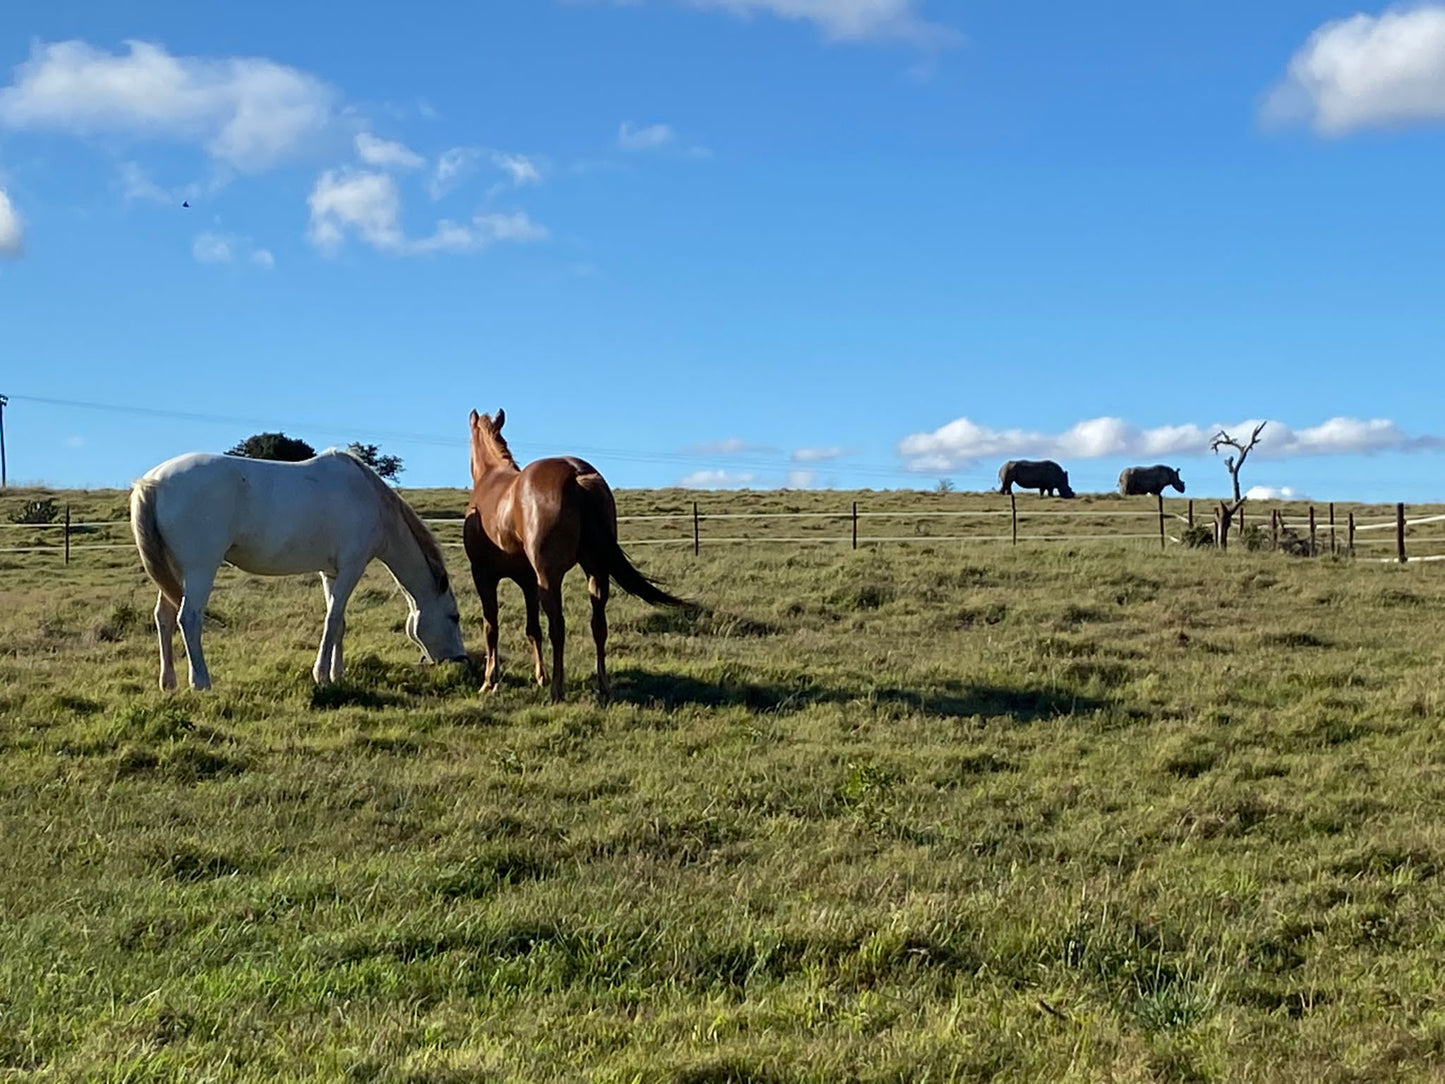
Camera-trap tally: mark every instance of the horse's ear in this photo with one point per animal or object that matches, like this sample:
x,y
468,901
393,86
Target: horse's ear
x,y
498,419
474,418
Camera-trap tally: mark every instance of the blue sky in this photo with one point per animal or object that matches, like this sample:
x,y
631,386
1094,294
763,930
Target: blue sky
x,y
812,242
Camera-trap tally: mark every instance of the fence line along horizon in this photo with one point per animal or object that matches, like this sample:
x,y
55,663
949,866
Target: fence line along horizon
x,y
678,519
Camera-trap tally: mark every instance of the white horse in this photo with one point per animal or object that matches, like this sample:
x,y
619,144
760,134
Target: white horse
x,y
331,514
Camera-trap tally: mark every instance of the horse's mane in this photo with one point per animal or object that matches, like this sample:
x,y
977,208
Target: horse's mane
x,y
498,444
425,540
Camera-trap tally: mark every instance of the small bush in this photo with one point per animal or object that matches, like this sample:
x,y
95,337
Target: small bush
x,y
1198,536
1254,538
39,511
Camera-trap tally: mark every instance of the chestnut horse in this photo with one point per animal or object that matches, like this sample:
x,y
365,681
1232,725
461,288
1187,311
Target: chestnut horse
x,y
530,525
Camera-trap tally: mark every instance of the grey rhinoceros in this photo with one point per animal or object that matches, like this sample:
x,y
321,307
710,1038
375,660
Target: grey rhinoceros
x,y
1151,480
1042,474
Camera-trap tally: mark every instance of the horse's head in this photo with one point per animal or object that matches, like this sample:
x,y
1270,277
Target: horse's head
x,y
1064,490
488,447
435,626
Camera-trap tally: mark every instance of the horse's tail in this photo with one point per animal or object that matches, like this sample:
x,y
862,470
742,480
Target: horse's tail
x,y
599,537
154,555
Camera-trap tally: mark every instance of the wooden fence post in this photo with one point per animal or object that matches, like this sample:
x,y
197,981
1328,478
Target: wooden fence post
x,y
1400,531
1274,527
855,525
1160,498
696,544
1191,511
1313,550
1334,549
1350,535
1014,515
67,534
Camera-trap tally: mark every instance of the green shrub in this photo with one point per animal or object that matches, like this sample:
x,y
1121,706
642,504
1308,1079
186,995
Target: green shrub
x,y
38,511
1198,536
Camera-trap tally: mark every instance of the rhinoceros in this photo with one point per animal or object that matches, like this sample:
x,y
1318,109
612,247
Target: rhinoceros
x,y
1151,480
1044,475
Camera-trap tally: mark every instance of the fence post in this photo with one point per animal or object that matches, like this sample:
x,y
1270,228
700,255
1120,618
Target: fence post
x,y
67,534
1400,531
695,542
1191,511
1334,549
1350,536
855,525
1274,527
1313,549
1013,509
1160,498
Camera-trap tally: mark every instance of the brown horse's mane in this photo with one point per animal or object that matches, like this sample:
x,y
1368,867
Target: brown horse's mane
x,y
425,540
497,444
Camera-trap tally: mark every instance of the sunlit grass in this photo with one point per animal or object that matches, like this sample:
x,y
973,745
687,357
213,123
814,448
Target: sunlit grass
x,y
935,811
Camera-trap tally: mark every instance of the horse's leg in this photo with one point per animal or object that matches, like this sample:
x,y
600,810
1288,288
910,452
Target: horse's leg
x,y
166,611
534,631
549,592
338,590
487,592
322,669
597,586
192,613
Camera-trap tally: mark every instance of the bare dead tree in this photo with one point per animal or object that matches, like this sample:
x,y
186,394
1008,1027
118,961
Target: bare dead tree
x,y
1233,463
1223,516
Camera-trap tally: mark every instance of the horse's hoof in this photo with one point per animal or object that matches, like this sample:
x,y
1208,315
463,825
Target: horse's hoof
x,y
488,687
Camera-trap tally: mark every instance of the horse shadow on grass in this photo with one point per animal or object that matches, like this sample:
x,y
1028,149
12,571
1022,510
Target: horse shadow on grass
x,y
947,700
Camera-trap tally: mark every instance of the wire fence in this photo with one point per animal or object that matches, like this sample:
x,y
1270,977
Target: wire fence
x,y
1306,530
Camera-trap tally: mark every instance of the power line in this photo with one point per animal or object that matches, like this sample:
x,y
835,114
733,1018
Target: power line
x,y
404,437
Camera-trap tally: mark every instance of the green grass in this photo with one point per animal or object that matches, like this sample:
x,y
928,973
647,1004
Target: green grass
x,y
917,812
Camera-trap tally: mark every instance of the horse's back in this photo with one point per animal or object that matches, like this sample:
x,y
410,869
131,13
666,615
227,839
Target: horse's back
x,y
264,516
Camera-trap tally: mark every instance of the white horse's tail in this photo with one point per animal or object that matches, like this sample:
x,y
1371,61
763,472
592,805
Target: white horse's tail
x,y
153,552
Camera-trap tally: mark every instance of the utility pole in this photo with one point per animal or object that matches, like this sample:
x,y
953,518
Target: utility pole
x,y
4,481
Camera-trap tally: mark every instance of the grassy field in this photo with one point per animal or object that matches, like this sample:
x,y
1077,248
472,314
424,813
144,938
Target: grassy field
x,y
920,812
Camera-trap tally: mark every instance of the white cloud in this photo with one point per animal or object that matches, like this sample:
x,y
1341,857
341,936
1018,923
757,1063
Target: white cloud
x,y
12,233
368,205
848,20
726,446
451,167
962,441
359,202
717,479
801,479
1275,493
386,154
520,169
136,184
246,112
483,231
630,137
1366,71
515,226
212,248
818,455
